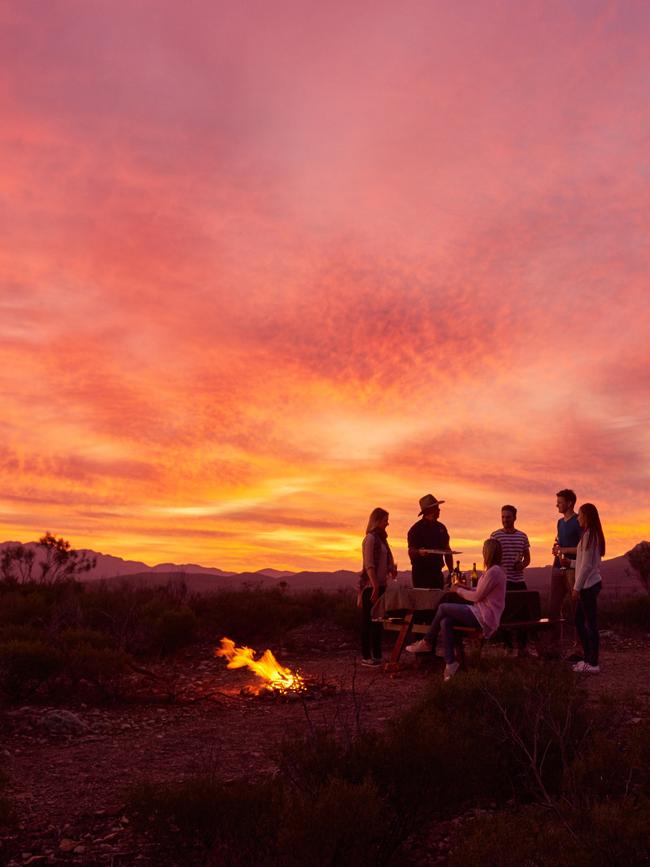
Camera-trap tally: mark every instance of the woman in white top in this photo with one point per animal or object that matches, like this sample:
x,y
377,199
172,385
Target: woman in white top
x,y
484,611
588,585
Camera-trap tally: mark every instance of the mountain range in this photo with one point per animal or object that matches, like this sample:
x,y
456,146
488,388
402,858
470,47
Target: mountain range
x,y
618,578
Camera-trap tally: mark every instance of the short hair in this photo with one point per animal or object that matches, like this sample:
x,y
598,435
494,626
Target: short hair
x,y
508,508
568,494
492,552
376,517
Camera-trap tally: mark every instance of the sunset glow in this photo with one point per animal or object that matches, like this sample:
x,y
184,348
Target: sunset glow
x,y
265,267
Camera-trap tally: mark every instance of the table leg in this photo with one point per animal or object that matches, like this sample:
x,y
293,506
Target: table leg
x,y
402,637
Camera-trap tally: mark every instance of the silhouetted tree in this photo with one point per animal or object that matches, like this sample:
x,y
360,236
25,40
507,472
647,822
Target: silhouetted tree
x,y
639,560
54,559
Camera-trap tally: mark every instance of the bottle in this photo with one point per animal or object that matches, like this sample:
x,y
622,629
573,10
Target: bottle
x,y
458,575
473,576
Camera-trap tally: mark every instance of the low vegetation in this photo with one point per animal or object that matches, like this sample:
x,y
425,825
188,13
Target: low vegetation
x,y
65,637
553,775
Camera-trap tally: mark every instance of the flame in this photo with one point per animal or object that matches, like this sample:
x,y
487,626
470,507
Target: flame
x,y
276,676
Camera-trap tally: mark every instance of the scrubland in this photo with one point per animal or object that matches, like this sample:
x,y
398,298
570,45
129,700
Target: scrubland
x,y
127,742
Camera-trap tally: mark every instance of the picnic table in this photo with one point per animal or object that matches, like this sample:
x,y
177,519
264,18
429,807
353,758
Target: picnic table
x,y
406,609
400,606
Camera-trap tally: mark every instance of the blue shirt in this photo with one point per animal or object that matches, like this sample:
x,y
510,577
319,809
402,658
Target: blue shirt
x,y
568,535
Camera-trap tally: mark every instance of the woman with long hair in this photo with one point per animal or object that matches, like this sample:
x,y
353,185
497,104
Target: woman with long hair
x,y
588,584
484,612
378,567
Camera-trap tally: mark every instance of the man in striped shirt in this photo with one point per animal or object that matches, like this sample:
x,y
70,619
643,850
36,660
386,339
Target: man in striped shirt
x,y
515,557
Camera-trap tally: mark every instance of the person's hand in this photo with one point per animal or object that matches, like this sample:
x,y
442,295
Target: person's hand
x,y
575,595
375,595
555,551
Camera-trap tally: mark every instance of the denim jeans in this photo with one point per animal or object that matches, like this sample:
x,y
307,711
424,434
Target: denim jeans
x,y
587,622
371,632
448,615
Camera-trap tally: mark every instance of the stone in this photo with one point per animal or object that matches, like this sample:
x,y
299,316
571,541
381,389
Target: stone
x,y
67,845
63,722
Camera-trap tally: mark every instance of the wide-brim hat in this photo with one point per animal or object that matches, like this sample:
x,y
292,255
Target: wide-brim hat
x,y
428,501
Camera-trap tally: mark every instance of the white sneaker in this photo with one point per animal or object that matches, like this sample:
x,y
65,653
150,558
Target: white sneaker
x,y
580,667
450,670
591,669
420,646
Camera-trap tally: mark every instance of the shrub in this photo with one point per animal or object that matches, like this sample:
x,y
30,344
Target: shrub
x,y
7,813
608,834
100,666
25,605
632,612
236,823
175,629
25,665
344,823
529,837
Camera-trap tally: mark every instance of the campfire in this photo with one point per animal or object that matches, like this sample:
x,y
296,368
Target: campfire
x,y
275,678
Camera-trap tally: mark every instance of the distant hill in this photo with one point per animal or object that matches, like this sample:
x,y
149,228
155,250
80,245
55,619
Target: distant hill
x,y
204,579
109,566
615,580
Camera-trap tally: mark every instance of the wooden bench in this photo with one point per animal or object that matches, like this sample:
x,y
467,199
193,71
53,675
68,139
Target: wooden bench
x,y
522,611
476,635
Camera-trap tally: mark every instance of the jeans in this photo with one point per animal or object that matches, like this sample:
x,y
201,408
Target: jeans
x,y
371,632
561,586
448,615
520,634
587,622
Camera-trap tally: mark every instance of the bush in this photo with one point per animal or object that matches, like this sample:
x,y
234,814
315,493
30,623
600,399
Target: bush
x,y
633,612
175,629
345,823
7,813
100,666
25,665
236,823
608,834
529,837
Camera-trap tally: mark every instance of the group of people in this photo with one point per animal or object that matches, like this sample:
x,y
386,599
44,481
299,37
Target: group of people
x,y
578,550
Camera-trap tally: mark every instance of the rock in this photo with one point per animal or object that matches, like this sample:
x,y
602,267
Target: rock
x,y
67,845
63,722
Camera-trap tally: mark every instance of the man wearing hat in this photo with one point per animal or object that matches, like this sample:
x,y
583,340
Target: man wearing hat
x,y
425,535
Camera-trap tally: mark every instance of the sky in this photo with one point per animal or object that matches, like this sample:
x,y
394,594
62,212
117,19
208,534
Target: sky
x,y
267,266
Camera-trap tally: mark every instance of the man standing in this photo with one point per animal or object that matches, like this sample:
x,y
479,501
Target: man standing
x,y
515,557
564,572
515,547
425,535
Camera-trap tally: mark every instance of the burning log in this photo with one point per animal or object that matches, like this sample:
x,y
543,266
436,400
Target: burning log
x,y
276,679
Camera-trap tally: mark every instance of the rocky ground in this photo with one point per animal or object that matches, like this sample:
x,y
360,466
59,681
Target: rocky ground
x,y
69,766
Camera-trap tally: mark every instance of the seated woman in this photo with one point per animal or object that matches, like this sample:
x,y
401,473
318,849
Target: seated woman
x,y
484,611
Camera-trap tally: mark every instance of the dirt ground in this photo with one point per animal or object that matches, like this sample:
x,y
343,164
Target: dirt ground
x,y
68,772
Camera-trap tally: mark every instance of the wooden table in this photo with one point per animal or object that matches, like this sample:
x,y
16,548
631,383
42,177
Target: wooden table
x,y
400,605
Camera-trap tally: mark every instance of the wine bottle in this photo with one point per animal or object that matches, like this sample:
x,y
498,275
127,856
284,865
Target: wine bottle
x,y
474,576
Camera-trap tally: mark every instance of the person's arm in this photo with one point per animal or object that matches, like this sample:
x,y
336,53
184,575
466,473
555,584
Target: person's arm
x,y
584,564
413,546
449,558
485,586
369,565
524,560
372,574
